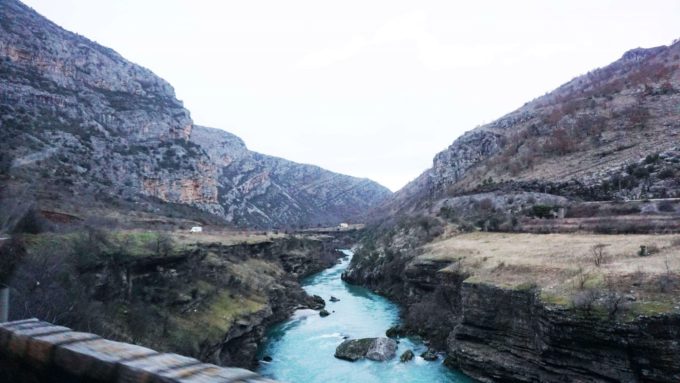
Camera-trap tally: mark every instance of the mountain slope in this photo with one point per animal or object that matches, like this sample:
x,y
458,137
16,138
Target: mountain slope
x,y
267,190
579,140
80,124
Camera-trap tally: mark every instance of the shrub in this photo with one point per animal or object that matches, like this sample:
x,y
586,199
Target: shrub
x,y
585,300
637,115
31,223
12,252
486,204
560,142
666,206
163,244
668,280
47,286
641,172
583,210
652,158
448,213
666,173
88,247
614,302
582,276
541,211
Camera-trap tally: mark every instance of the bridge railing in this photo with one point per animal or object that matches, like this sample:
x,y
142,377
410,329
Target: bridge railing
x,y
33,350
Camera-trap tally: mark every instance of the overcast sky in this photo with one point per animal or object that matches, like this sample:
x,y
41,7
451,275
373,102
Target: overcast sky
x,y
367,88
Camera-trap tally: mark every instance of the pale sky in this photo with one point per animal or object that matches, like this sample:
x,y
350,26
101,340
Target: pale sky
x,y
367,88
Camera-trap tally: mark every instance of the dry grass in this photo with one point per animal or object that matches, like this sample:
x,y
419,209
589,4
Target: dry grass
x,y
556,262
225,237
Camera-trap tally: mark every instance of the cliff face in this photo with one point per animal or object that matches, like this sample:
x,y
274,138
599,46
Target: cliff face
x,y
523,340
77,119
581,135
498,334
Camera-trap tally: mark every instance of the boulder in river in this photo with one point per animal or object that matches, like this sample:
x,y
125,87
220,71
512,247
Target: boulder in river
x,y
334,299
316,302
378,349
429,355
406,356
324,313
395,331
382,349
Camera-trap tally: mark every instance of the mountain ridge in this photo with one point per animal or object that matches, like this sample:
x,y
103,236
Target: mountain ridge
x,y
79,121
620,108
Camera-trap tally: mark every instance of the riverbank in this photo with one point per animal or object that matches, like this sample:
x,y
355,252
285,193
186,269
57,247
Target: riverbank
x,y
525,316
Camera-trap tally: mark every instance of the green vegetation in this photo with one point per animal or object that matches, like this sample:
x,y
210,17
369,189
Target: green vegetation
x,y
136,286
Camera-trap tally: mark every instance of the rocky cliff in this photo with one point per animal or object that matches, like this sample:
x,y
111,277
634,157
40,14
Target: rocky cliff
x,y
269,191
506,328
80,118
580,137
79,122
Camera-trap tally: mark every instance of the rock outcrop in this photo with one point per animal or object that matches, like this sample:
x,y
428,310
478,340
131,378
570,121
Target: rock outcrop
x,y
407,356
378,349
78,122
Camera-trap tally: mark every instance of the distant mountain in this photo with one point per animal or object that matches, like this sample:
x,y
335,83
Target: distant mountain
x,y
258,189
79,122
610,134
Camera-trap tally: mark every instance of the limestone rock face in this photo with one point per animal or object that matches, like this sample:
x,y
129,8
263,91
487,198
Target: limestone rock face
x,y
451,164
77,119
77,116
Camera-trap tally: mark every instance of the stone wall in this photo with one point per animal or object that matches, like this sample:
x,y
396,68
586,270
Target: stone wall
x,y
36,351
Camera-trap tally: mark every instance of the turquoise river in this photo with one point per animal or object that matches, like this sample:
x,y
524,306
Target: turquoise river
x,y
302,348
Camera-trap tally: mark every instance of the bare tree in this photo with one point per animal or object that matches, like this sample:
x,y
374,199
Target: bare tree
x,y
599,254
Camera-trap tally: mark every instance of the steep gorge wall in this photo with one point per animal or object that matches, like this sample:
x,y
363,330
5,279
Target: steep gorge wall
x,y
509,335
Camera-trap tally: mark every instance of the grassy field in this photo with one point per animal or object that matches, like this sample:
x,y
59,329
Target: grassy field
x,y
563,265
